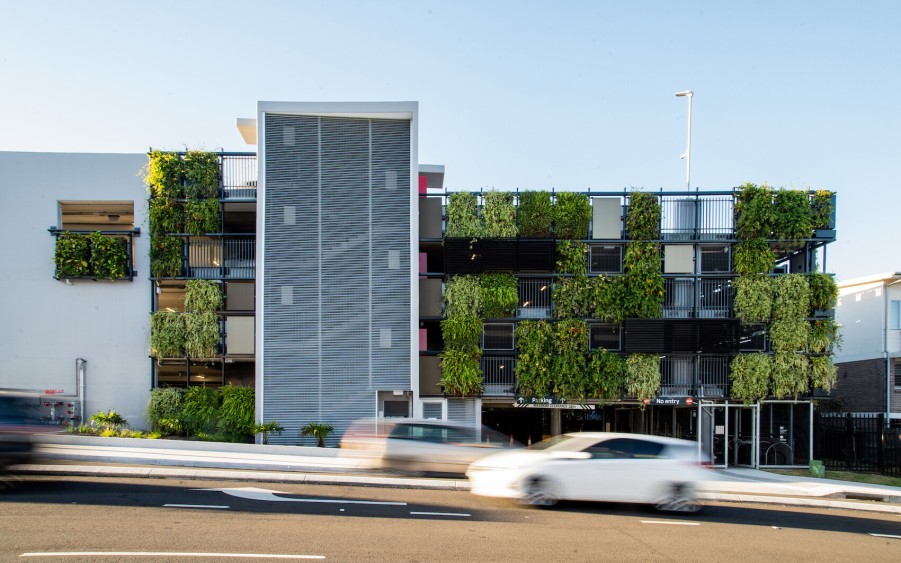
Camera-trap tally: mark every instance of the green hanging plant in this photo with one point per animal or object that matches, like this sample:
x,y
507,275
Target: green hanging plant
x,y
534,343
499,215
572,298
643,376
750,377
463,216
203,335
753,257
463,296
499,295
203,296
72,255
166,257
823,373
461,332
606,375
605,299
789,375
572,257
535,215
164,175
641,287
791,296
201,170
165,217
823,291
203,216
753,298
570,378
791,218
789,335
109,256
572,215
822,336
753,211
822,212
460,372
167,335
643,216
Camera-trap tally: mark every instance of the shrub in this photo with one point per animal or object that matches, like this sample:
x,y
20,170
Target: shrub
x,y
789,375
791,218
606,299
108,256
165,256
753,257
202,334
572,298
791,296
164,175
319,430
568,363
203,216
203,296
461,332
236,414
201,172
165,404
821,209
572,257
823,373
165,217
200,406
789,335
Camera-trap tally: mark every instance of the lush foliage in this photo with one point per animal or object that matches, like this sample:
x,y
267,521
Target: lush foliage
x,y
318,430
572,257
108,256
535,215
236,413
203,296
642,375
203,216
823,373
789,376
460,372
643,217
791,218
823,334
750,377
463,296
753,257
499,215
165,256
791,296
461,332
267,428
164,175
753,298
753,212
606,375
499,295
203,335
789,335
165,217
821,209
111,420
463,216
572,215
568,363
167,334
72,255
199,409
605,299
572,298
165,404
641,288
201,173
536,350
823,291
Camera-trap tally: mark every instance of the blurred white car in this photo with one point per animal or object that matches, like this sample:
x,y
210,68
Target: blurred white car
x,y
595,466
410,445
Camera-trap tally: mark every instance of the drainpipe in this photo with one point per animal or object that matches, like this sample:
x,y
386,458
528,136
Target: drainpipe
x,y
80,364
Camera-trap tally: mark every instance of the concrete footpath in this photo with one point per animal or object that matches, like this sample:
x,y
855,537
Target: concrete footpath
x,y
182,459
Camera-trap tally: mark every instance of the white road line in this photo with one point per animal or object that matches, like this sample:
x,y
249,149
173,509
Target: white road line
x,y
166,554
670,522
441,514
886,536
196,506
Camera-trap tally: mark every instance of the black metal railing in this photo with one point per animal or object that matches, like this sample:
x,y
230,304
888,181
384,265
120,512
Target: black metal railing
x,y
239,175
701,298
499,376
128,236
858,442
694,376
231,256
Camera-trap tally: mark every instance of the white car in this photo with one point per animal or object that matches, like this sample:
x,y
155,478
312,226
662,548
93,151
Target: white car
x,y
595,466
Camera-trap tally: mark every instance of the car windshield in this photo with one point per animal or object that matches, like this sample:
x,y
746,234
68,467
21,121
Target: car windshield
x,y
561,443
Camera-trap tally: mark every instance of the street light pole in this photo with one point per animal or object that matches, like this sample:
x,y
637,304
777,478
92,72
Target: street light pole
x,y
687,156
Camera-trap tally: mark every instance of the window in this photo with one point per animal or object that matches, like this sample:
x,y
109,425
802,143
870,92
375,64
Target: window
x,y
95,215
895,315
604,336
605,259
497,336
715,259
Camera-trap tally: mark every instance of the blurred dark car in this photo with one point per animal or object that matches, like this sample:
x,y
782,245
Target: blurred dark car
x,y
20,421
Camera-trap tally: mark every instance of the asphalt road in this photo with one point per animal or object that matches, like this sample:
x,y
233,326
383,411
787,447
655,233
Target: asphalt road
x,y
98,519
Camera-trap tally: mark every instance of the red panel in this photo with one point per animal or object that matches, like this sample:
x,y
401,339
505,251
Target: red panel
x,y
423,184
423,339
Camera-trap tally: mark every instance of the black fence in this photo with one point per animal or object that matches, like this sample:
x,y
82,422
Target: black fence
x,y
858,442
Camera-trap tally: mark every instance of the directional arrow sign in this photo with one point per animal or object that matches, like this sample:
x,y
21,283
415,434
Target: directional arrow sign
x,y
253,493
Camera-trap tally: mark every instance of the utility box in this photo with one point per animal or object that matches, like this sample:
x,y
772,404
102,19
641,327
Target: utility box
x,y
817,469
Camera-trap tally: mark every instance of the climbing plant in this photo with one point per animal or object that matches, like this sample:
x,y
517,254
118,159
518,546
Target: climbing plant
x,y
165,256
572,215
750,377
109,256
789,335
167,335
821,209
753,211
641,288
606,375
165,217
753,257
461,332
164,175
823,291
463,216
605,299
570,340
463,296
643,216
791,218
203,216
572,257
202,334
460,372
789,375
753,301
823,334
572,298
72,255
535,214
642,375
499,215
791,296
823,373
533,365
201,172
499,294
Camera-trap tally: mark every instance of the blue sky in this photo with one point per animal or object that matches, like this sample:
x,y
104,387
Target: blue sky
x,y
534,95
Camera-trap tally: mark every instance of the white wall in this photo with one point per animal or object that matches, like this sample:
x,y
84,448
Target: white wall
x,y
861,311
47,324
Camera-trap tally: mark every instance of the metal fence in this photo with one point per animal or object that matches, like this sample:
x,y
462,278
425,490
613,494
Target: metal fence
x,y
696,218
694,376
226,257
500,379
858,442
702,298
239,176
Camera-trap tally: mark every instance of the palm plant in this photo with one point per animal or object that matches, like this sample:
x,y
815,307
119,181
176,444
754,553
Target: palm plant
x,y
111,420
318,430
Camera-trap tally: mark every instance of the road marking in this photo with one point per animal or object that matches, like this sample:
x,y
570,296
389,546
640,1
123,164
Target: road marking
x,y
196,505
886,536
166,554
670,522
254,493
441,514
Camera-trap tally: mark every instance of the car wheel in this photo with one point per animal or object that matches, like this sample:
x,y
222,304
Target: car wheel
x,y
540,493
680,498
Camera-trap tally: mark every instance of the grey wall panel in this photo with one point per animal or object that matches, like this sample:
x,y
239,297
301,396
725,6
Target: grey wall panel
x,y
325,353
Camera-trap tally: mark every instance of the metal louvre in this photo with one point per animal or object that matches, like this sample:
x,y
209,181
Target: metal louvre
x,y
666,336
336,315
464,256
462,410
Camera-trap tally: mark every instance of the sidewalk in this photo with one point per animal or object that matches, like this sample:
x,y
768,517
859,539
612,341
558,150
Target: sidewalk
x,y
169,459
